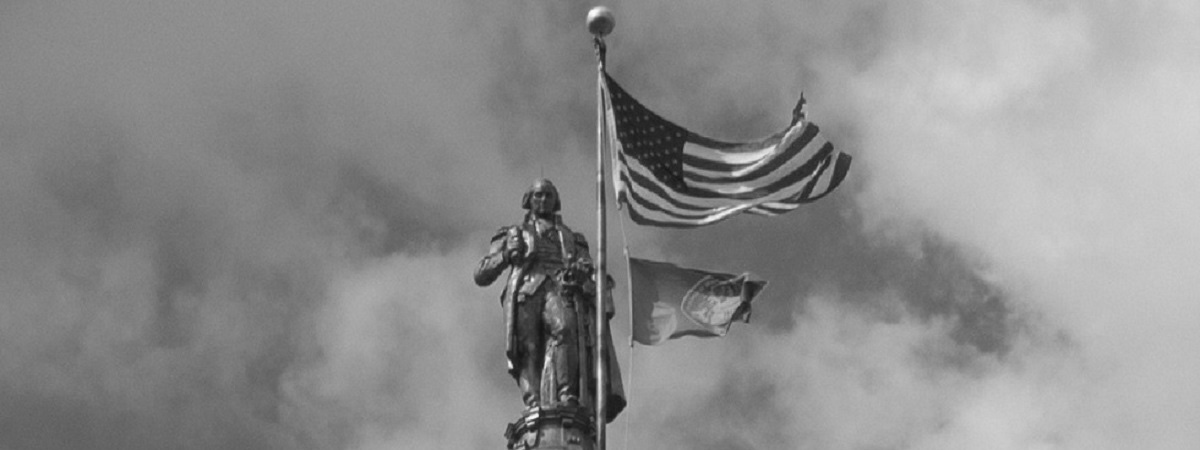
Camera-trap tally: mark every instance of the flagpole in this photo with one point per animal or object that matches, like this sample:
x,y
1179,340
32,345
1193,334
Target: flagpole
x,y
601,252
600,23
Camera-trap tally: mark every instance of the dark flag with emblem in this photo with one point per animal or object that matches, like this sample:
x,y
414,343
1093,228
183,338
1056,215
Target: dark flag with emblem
x,y
671,301
668,176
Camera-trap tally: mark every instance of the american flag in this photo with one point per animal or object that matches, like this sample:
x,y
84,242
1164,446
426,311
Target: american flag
x,y
668,176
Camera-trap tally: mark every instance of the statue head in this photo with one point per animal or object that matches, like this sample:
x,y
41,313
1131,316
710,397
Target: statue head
x,y
541,198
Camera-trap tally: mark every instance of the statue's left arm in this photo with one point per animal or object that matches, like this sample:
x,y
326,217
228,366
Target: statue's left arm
x,y
583,258
583,253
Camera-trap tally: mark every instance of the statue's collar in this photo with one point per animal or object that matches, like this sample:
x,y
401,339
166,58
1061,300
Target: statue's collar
x,y
555,223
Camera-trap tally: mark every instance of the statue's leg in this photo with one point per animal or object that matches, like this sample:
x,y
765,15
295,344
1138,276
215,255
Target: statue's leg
x,y
529,336
562,355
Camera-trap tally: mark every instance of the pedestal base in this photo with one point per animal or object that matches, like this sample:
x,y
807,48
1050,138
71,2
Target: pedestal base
x,y
557,428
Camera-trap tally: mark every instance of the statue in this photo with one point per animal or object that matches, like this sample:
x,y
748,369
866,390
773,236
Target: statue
x,y
548,305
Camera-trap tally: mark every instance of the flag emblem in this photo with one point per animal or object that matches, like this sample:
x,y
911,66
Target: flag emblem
x,y
712,301
671,302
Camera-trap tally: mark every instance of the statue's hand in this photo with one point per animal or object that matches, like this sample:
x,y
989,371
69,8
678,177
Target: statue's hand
x,y
514,248
581,270
585,266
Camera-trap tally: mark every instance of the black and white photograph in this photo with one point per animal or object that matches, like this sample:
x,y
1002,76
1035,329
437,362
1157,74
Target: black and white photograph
x,y
619,225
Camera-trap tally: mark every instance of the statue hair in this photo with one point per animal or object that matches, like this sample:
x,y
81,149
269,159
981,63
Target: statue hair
x,y
528,197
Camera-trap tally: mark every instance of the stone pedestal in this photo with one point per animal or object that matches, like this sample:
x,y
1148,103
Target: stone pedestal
x,y
557,428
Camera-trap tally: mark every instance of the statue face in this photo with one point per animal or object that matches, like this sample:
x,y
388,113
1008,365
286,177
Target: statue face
x,y
543,199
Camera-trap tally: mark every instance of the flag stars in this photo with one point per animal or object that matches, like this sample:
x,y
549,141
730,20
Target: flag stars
x,y
652,152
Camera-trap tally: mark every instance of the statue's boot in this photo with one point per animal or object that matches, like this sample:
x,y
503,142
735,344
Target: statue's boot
x,y
530,381
560,375
529,352
567,366
530,376
560,379
549,376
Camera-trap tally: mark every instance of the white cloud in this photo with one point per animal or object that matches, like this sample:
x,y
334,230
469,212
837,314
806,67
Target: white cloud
x,y
251,225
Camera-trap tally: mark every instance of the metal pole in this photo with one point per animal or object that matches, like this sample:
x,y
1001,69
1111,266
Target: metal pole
x,y
601,252
600,22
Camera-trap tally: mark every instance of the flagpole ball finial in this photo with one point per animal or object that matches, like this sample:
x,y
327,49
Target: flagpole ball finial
x,y
600,21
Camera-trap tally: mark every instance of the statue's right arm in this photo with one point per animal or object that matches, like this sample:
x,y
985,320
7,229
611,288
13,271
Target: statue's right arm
x,y
494,263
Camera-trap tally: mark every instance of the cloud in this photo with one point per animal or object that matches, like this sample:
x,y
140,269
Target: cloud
x,y
1028,140
186,186
251,224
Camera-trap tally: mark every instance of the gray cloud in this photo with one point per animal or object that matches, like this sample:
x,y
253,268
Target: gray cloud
x,y
251,224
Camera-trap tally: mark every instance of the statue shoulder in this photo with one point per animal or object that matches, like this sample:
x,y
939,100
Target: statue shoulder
x,y
503,232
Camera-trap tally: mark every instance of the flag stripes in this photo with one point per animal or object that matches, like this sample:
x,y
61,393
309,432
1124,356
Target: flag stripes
x,y
670,177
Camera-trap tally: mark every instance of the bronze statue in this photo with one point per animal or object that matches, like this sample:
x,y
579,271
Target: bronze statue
x,y
548,304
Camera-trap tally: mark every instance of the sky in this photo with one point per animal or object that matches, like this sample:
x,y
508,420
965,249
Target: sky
x,y
252,224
